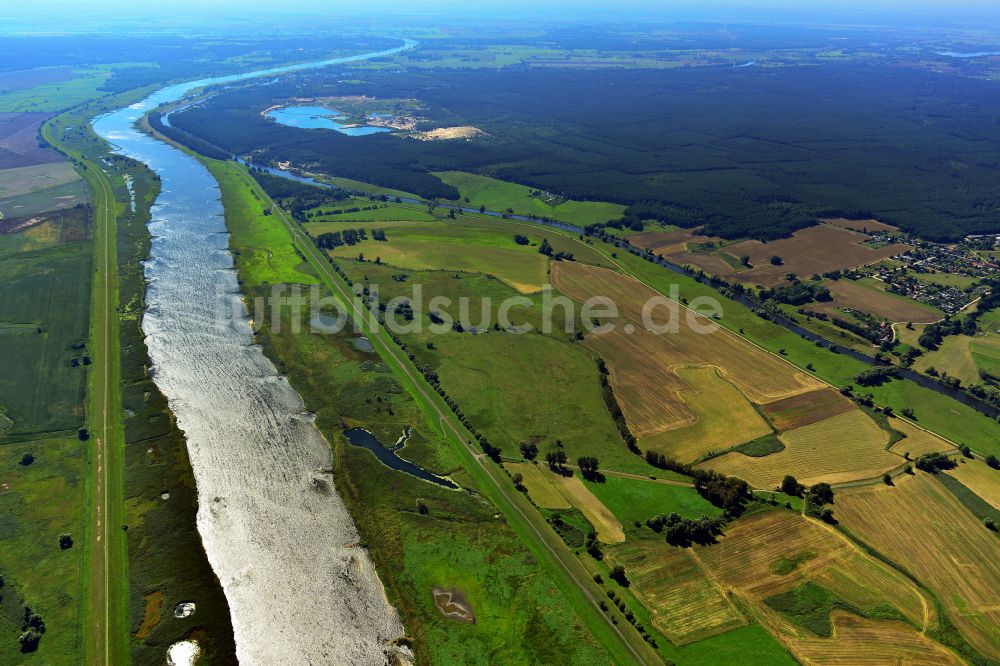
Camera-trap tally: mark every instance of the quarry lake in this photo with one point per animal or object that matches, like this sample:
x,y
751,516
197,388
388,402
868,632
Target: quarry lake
x,y
275,530
320,117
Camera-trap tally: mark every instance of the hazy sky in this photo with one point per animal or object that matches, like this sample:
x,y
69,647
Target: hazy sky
x,y
65,14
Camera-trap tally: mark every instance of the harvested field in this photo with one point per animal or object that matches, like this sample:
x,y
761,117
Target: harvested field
x,y
809,251
19,140
843,448
710,263
670,242
644,365
777,551
684,602
540,485
858,296
769,553
723,418
805,408
981,479
917,441
920,525
609,530
864,226
23,180
858,640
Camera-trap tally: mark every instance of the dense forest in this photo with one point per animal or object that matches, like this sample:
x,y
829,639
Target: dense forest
x,y
753,151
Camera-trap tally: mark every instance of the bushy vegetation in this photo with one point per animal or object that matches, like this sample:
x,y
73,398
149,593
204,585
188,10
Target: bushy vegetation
x,y
935,462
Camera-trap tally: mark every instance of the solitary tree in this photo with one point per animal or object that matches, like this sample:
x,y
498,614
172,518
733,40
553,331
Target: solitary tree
x,y
791,486
588,466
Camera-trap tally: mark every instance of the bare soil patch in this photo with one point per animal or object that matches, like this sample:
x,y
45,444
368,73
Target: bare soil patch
x,y
805,408
449,133
453,605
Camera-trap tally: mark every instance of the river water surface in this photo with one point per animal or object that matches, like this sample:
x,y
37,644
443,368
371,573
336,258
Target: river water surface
x,y
300,588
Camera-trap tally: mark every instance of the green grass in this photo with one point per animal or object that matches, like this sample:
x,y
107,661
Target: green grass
x,y
264,244
46,294
786,565
533,370
37,504
453,247
634,500
762,446
377,212
499,195
809,606
745,646
945,279
54,96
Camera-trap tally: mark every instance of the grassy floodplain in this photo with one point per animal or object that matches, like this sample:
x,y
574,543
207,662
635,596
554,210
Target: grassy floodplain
x,y
451,543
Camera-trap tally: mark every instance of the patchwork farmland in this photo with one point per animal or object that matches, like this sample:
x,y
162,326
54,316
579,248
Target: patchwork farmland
x,y
690,413
813,250
921,526
768,556
842,448
644,365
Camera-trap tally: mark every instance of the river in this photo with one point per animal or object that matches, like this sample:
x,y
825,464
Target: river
x,y
300,588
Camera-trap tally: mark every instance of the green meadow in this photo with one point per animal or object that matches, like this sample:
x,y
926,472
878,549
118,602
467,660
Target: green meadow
x,y
36,507
261,243
637,500
54,96
435,245
499,195
45,275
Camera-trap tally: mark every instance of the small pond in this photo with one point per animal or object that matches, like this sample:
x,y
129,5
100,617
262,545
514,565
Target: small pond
x,y
387,456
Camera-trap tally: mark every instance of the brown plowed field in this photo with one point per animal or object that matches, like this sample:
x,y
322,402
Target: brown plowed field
x,y
805,408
